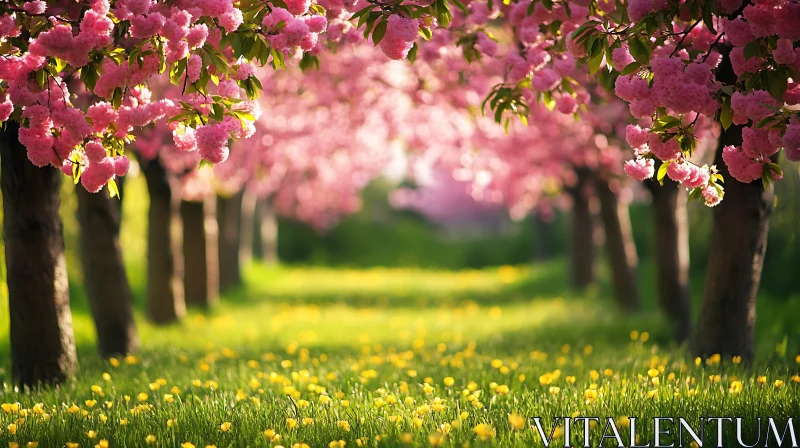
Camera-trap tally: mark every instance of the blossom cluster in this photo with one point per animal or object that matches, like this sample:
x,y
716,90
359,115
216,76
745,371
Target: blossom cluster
x,y
119,52
679,83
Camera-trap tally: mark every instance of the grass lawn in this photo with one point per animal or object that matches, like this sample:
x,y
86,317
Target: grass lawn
x,y
393,357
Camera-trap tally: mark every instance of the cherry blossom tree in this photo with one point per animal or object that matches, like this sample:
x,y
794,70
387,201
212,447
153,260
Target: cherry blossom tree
x,y
678,64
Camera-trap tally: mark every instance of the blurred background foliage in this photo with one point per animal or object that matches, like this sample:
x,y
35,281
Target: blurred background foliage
x,y
382,236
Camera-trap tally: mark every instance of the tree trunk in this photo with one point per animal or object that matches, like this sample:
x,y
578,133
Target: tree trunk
x,y
265,238
42,341
201,266
541,230
229,212
672,254
165,296
726,324
104,277
620,247
249,201
582,251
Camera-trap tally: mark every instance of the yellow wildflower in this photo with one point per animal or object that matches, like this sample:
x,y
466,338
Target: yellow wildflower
x,y
516,421
484,431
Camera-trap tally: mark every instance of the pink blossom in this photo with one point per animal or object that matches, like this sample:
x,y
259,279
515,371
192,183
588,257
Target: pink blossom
x,y
741,65
231,20
742,168
146,26
698,176
401,28
212,142
95,151
194,67
298,7
737,32
101,114
621,57
791,141
197,36
121,165
6,108
35,7
642,108
668,150
278,15
784,53
545,79
317,24
711,195
636,136
566,104
679,171
640,168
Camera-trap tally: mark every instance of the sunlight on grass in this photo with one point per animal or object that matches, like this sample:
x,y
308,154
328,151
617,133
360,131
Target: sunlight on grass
x,y
387,357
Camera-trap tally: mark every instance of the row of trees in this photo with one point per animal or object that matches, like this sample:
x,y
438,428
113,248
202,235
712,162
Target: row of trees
x,y
80,82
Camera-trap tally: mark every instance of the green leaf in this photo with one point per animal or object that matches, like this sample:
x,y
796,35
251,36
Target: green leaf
x,y
662,172
752,49
595,61
777,85
277,58
380,30
548,4
696,193
461,7
726,115
113,190
640,51
89,76
424,32
116,99
630,68
41,78
217,112
412,53
708,15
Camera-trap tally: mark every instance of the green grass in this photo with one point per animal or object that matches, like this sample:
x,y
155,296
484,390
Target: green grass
x,y
372,339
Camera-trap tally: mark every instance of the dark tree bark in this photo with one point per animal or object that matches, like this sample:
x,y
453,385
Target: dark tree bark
x,y
582,251
672,254
104,277
248,219
726,324
201,266
42,341
229,213
265,236
541,230
165,295
620,247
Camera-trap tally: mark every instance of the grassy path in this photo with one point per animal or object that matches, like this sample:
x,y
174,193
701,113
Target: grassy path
x,y
333,358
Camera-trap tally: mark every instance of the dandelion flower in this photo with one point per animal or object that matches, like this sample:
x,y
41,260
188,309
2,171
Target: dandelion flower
x,y
484,431
516,421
